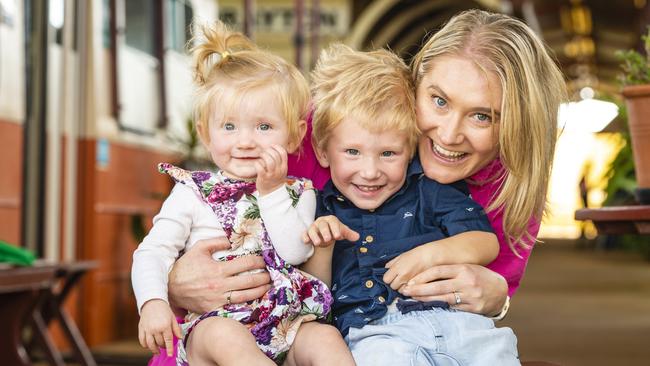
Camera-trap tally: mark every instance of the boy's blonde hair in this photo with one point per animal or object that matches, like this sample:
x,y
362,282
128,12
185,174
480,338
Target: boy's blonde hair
x,y
374,88
533,88
227,65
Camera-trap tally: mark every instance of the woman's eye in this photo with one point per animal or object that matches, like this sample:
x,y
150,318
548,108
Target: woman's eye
x,y
264,127
228,126
482,117
439,102
352,152
387,154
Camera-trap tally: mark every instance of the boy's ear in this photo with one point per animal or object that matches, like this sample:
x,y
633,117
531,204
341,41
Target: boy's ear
x,y
321,155
302,130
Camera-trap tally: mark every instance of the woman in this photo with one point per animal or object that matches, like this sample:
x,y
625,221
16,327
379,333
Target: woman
x,y
487,96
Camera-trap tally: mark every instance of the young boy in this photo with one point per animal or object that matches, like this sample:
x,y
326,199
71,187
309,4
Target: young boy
x,y
384,214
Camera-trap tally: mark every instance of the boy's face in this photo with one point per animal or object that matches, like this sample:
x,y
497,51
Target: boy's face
x,y
367,167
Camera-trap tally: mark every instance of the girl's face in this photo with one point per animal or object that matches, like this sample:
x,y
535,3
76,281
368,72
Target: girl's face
x,y
454,104
238,138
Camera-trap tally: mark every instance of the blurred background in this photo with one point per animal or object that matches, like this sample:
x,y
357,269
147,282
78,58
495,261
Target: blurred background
x,y
94,93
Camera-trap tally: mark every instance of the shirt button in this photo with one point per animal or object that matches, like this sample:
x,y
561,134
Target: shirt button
x,y
369,284
363,250
381,299
369,239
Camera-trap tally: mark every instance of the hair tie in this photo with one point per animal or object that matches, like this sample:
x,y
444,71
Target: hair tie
x,y
224,55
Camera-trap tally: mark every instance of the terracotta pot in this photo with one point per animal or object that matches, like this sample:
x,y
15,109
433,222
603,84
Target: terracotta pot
x,y
637,98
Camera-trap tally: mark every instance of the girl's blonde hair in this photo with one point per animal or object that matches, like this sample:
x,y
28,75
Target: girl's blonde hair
x,y
227,65
373,87
533,88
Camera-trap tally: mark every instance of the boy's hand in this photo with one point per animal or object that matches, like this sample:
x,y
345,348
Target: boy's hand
x,y
404,267
157,324
325,230
271,169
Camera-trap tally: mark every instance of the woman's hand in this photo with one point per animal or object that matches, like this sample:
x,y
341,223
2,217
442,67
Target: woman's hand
x,y
479,289
199,284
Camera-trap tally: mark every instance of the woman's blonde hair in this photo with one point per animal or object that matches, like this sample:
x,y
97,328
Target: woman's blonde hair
x,y
227,65
373,87
533,88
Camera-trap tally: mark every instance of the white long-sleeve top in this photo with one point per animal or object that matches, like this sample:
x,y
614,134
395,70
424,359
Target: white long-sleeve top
x,y
185,219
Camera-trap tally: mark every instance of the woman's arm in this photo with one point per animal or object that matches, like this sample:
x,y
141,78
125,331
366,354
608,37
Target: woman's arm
x,y
472,247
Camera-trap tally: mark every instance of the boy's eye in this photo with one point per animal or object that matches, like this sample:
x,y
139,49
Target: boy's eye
x,y
229,126
439,102
387,154
264,127
352,152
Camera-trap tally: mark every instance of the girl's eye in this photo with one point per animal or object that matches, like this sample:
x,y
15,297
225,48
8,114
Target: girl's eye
x,y
353,152
228,126
439,102
264,127
387,154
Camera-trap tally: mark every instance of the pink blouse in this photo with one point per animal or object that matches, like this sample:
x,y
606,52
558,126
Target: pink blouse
x,y
506,264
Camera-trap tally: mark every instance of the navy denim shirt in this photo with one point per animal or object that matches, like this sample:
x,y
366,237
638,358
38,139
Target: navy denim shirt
x,y
422,211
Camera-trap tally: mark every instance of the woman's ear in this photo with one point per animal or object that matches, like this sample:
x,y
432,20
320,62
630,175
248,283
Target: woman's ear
x,y
293,146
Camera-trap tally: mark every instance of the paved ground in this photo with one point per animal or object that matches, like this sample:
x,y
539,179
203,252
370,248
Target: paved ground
x,y
583,307
575,307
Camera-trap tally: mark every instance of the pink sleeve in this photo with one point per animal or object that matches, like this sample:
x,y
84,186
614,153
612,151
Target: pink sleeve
x,y
305,165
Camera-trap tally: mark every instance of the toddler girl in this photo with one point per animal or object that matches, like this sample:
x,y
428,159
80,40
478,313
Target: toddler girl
x,y
250,108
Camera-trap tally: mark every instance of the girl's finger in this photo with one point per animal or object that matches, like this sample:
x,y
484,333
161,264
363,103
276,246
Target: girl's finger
x,y
169,340
142,337
151,344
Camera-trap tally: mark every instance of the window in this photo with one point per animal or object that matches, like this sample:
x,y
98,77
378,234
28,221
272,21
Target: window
x,y
140,25
179,32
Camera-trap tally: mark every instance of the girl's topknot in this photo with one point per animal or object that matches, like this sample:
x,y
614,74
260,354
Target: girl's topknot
x,y
215,45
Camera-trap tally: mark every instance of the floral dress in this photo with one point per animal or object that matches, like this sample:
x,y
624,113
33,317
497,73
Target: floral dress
x,y
295,297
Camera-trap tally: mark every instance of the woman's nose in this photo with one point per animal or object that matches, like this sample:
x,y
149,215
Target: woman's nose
x,y
449,132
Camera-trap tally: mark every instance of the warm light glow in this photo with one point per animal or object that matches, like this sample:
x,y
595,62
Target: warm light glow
x,y
587,115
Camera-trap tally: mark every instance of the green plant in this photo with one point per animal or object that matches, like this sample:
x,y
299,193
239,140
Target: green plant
x,y
621,180
636,67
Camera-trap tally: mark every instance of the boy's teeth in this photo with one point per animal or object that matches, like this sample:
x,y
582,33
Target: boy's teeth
x,y
368,188
445,152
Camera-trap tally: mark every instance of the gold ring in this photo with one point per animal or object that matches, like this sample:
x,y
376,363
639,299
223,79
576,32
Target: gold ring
x,y
229,295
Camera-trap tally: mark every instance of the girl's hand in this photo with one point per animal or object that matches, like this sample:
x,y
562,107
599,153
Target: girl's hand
x,y
325,230
480,290
271,169
199,283
157,324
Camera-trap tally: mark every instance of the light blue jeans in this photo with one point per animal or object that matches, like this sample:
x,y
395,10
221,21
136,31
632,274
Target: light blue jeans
x,y
432,337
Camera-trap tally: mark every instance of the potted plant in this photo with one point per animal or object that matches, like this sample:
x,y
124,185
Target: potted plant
x,y
636,91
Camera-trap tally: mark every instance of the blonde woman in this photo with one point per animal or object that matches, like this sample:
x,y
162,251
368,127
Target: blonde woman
x,y
487,95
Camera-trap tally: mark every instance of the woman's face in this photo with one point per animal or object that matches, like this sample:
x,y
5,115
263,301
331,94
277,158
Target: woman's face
x,y
454,105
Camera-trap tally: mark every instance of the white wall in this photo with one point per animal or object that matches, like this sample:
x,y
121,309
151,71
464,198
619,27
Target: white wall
x,y
12,62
